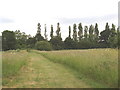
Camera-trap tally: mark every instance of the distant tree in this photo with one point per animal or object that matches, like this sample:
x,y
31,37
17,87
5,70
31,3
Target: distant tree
x,y
51,33
69,32
21,39
39,29
57,43
45,34
118,36
31,42
38,36
43,45
74,32
86,32
91,35
96,32
58,30
105,33
113,38
70,43
8,40
80,32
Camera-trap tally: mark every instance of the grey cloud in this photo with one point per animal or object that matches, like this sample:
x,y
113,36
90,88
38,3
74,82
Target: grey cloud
x,y
6,20
88,20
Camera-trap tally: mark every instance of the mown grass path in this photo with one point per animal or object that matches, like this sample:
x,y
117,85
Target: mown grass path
x,y
42,73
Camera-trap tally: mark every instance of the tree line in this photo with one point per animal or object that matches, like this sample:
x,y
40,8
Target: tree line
x,y
81,38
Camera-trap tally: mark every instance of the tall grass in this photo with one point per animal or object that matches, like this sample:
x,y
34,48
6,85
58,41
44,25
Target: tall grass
x,y
100,65
12,62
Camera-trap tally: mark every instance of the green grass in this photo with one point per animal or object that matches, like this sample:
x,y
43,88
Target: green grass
x,y
12,62
99,65
96,68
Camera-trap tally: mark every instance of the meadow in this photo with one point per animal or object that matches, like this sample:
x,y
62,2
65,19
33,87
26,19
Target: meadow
x,y
12,62
100,65
96,67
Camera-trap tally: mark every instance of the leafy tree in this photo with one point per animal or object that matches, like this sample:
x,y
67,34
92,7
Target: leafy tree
x,y
58,30
91,35
113,38
80,32
74,32
39,29
43,45
96,32
31,42
69,32
85,32
45,34
118,36
70,43
51,33
57,43
38,36
105,34
8,40
21,39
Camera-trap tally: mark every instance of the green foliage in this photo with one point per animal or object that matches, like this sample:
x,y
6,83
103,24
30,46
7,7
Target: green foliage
x,y
57,43
80,32
108,38
86,32
74,32
51,33
21,39
43,45
8,40
31,42
91,35
58,30
70,43
105,34
69,32
38,37
45,34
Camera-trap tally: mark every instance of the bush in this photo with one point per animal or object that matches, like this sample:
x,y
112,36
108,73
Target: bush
x,y
28,50
57,43
43,45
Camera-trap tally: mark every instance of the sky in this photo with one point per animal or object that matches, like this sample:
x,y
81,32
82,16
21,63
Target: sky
x,y
24,15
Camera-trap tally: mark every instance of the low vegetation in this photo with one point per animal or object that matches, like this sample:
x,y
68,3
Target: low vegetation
x,y
91,67
43,45
100,65
12,62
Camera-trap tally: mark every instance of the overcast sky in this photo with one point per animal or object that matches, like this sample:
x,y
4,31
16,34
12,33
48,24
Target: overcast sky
x,y
24,15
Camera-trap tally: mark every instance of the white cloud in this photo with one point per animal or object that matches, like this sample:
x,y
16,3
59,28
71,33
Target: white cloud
x,y
27,13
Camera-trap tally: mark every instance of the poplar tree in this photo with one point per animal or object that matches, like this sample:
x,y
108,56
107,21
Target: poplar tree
x,y
96,32
58,30
51,33
74,32
45,34
80,32
86,32
69,32
91,30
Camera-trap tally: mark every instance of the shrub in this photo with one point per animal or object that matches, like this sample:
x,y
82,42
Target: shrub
x,y
43,45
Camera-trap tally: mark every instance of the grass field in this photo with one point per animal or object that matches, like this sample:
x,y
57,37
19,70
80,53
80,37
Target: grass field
x,y
12,62
96,68
100,65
